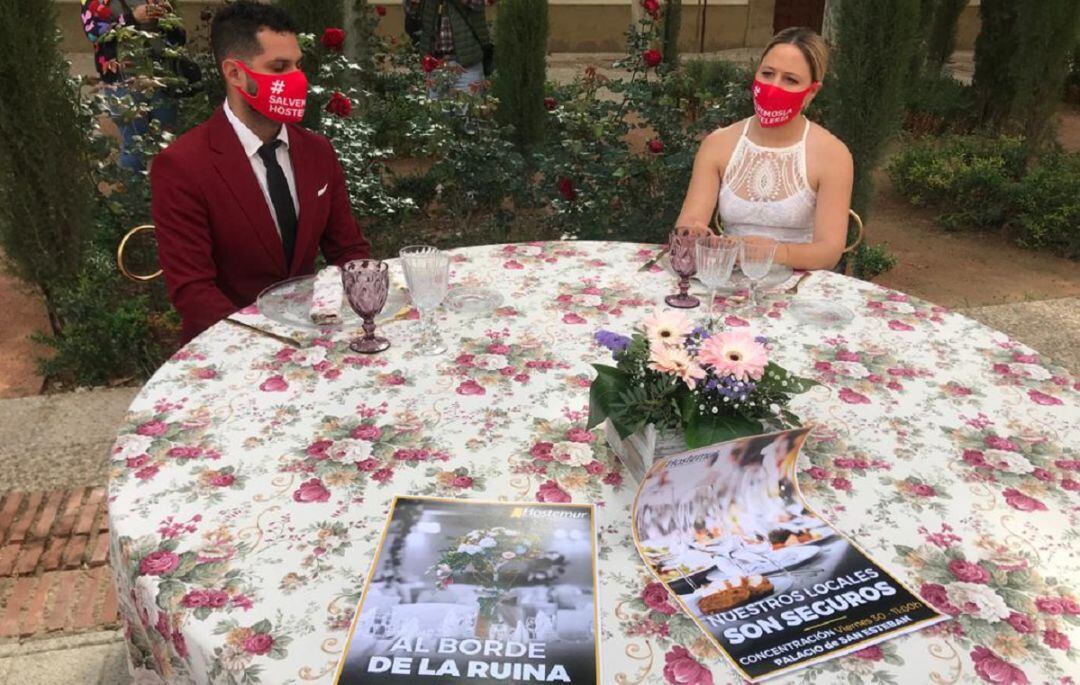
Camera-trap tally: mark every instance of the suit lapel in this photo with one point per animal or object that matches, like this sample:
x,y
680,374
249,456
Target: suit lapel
x,y
234,168
304,166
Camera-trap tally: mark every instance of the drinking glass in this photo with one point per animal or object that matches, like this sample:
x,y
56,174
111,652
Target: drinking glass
x,y
681,244
715,258
755,259
427,273
366,283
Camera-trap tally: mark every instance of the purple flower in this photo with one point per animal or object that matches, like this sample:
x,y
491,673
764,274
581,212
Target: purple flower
x,y
613,341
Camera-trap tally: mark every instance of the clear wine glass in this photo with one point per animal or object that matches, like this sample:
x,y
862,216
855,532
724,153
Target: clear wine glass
x,y
427,273
367,283
715,258
755,259
681,244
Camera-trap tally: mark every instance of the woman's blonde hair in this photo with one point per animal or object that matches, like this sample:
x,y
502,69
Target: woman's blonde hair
x,y
810,44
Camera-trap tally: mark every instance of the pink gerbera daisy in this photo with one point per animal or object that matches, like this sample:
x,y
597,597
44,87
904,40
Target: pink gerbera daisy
x,y
677,362
734,353
667,328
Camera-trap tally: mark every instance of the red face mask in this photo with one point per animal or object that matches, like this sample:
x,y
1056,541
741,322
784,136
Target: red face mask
x,y
775,106
281,97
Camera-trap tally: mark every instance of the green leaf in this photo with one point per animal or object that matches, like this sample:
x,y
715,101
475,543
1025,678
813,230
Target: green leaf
x,y
603,393
168,592
263,626
202,613
711,429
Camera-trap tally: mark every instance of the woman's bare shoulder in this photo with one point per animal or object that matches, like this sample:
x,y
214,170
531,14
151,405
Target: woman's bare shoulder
x,y
722,141
823,142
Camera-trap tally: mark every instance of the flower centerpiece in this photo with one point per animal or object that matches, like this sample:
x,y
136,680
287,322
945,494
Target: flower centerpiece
x,y
676,386
491,559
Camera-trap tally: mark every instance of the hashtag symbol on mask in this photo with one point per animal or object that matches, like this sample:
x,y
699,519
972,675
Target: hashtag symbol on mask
x,y
277,87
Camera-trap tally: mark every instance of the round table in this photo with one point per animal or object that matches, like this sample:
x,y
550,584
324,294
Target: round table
x,y
251,479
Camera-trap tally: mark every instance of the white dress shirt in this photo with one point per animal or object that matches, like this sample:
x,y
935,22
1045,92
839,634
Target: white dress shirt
x,y
251,144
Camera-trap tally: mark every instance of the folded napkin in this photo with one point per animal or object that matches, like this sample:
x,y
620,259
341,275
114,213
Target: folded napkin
x,y
326,297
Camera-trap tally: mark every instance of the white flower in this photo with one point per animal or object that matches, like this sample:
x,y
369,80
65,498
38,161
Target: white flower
x,y
1009,461
443,570
1032,371
899,307
235,659
312,356
589,300
469,549
491,362
573,453
131,445
530,250
850,369
487,543
350,450
978,600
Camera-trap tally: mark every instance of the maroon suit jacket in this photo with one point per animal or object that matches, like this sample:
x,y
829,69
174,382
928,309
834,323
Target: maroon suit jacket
x,y
217,241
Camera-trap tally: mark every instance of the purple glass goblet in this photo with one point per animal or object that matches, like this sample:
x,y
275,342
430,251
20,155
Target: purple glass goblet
x,y
367,283
683,246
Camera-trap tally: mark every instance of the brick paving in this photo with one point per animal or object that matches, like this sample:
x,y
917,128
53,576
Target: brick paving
x,y
54,572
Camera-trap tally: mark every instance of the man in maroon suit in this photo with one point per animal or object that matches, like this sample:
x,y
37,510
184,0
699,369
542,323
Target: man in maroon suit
x,y
245,199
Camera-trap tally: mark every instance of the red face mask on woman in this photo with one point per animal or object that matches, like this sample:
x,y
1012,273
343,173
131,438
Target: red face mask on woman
x,y
775,106
281,97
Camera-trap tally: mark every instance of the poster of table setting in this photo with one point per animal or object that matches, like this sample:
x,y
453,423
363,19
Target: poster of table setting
x,y
775,587
478,592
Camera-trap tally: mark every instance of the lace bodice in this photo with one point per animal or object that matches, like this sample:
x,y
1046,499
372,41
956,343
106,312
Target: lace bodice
x,y
765,191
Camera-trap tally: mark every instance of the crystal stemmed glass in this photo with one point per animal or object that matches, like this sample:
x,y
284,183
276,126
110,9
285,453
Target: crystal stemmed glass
x,y
755,259
427,272
682,244
715,258
366,283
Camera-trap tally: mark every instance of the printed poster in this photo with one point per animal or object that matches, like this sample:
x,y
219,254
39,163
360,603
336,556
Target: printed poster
x,y
775,586
478,592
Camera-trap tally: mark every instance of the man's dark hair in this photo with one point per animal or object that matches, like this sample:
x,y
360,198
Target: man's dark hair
x,y
234,30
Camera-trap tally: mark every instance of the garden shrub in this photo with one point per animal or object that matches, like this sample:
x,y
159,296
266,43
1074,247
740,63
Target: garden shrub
x,y
1047,205
937,104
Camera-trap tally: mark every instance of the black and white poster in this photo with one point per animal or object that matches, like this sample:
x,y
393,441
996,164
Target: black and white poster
x,y
478,592
771,583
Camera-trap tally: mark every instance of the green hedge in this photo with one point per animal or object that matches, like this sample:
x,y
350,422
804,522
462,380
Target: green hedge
x,y
981,183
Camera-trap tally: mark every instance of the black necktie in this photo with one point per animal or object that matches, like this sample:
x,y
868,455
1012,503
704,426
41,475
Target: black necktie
x,y
281,198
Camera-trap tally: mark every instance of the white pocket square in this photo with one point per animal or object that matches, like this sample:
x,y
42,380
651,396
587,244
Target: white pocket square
x,y
322,191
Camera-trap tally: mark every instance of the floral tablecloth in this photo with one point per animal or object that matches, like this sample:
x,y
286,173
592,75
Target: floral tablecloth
x,y
251,479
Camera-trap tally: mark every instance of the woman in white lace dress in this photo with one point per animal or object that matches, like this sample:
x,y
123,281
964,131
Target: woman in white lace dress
x,y
776,174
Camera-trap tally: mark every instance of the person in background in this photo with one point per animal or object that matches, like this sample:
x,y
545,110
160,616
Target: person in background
x,y
454,32
776,175
100,18
247,198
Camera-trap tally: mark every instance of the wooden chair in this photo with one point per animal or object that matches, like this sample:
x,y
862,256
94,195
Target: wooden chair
x,y
139,278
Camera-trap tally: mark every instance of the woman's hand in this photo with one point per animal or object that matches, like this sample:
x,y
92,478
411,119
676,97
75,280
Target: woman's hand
x,y
151,11
697,229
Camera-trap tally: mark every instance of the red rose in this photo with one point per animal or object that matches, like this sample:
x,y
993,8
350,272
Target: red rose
x,y
205,373
652,58
380,10
339,105
1042,474
196,599
259,643
995,442
937,596
551,492
216,599
366,431
137,462
573,318
1056,640
680,668
274,384
847,356
153,428
614,479
333,39
976,458
656,597
550,104
1069,606
1069,484
656,146
872,653
1050,605
841,483
566,189
851,397
180,644
900,326
923,490
1068,464
430,63
223,480
498,348
580,435
159,563
969,572
367,465
471,388
542,451
993,669
1043,399
147,472
1018,500
317,449
818,473
594,468
462,482
1021,623
311,491
382,475
652,7
184,452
